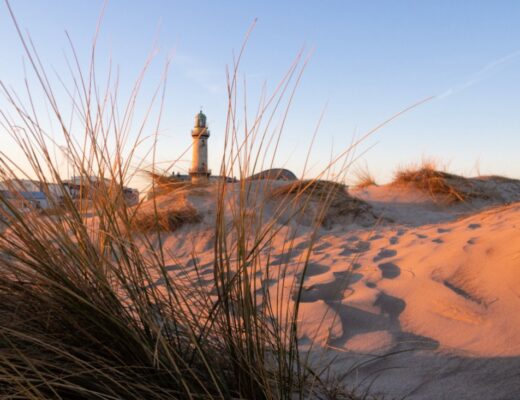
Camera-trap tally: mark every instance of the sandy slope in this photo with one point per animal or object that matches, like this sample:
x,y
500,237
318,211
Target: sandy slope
x,y
436,292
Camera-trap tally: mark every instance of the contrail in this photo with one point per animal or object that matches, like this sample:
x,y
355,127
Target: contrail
x,y
479,76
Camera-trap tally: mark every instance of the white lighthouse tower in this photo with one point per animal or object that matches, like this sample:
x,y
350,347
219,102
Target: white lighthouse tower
x,y
199,171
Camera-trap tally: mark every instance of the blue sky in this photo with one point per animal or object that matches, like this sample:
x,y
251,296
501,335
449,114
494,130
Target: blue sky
x,y
370,60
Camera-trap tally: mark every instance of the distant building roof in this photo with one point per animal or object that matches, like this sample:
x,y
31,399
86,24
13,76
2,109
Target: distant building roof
x,y
34,195
79,180
26,195
21,185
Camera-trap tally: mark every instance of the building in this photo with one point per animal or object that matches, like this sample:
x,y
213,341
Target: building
x,y
199,171
87,187
24,201
26,195
23,194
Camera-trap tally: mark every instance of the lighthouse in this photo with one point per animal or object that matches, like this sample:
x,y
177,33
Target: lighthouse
x,y
199,171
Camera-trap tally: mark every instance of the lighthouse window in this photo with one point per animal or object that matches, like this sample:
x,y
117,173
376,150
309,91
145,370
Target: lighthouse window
x,y
203,142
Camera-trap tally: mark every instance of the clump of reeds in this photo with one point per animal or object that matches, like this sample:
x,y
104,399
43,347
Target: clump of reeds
x,y
364,178
441,186
82,315
167,220
166,206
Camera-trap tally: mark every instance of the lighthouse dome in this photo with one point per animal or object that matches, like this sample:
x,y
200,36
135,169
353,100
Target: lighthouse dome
x,y
200,120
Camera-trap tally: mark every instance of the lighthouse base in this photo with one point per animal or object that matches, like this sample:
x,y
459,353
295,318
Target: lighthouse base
x,y
200,178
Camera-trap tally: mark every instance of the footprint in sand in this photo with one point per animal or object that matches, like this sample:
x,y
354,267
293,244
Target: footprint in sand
x,y
375,237
401,232
266,283
346,252
352,238
205,282
330,291
360,247
320,247
358,322
443,230
393,240
384,253
173,267
206,269
474,226
286,257
313,269
393,307
303,245
437,240
356,266
193,262
370,285
389,270
420,235
390,305
472,241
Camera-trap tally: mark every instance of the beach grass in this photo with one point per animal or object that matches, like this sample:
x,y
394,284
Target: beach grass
x,y
364,178
443,187
81,315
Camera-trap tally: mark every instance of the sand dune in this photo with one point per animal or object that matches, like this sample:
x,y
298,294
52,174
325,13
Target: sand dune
x,y
421,303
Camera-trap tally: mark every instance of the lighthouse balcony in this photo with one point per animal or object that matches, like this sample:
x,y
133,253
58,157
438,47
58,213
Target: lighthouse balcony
x,y
200,132
200,171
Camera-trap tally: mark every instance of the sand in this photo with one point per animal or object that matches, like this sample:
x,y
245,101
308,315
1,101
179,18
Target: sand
x,y
423,303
